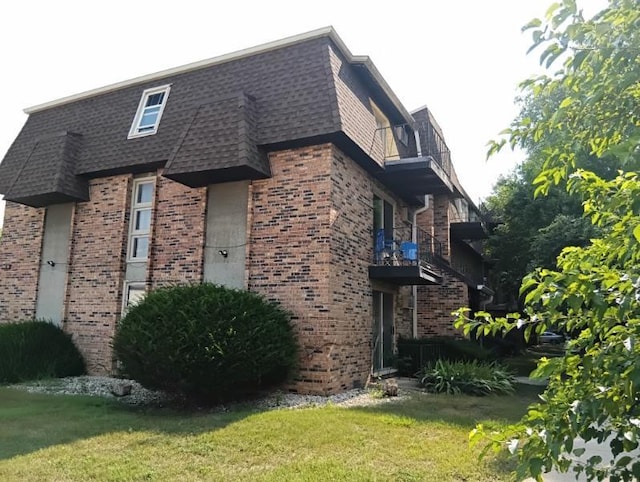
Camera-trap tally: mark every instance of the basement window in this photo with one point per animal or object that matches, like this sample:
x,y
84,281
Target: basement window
x,y
150,108
133,294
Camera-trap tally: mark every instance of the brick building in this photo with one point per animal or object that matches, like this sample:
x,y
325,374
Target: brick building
x,y
290,169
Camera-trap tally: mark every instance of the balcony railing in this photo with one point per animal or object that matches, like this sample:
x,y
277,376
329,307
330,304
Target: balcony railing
x,y
433,145
399,259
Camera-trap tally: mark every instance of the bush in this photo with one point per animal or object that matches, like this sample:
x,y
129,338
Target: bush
x,y
415,353
31,350
471,377
206,341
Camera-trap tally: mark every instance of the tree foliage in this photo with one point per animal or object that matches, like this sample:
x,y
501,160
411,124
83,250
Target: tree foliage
x,y
532,230
594,389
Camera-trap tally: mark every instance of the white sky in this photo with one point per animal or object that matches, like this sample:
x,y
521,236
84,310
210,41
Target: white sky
x,y
462,58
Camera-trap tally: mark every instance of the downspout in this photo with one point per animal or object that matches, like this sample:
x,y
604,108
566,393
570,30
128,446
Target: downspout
x,y
414,288
414,238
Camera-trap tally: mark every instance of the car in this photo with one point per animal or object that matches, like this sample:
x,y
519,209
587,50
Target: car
x,y
550,337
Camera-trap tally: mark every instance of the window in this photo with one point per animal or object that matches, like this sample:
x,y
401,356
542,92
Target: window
x,y
140,224
149,111
402,135
133,294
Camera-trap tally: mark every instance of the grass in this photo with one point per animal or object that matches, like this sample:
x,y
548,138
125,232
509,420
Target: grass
x,y
526,362
62,438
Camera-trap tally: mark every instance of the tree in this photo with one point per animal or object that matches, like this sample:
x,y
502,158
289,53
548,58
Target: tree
x,y
532,230
594,389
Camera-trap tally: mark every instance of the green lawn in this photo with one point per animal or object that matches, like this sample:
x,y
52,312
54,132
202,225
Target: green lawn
x,y
45,437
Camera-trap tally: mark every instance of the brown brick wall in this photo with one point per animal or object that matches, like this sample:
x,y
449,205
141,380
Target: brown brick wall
x,y
310,247
424,220
436,303
178,233
20,247
441,222
96,268
289,258
351,253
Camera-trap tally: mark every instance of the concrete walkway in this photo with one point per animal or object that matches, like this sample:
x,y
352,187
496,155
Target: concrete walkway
x,y
539,382
591,448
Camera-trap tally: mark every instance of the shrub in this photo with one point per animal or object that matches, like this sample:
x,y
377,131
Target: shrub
x,y
471,377
415,353
31,350
206,341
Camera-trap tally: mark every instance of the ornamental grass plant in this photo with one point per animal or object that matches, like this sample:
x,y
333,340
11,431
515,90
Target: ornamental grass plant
x,y
469,377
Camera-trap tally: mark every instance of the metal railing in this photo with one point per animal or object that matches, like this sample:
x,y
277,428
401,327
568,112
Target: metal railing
x,y
473,272
433,145
394,247
394,146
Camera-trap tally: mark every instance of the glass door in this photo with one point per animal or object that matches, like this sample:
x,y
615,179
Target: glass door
x,y
382,330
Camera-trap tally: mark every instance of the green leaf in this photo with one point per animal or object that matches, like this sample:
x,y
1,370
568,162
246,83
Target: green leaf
x,y
552,8
546,367
636,233
616,447
595,460
535,467
579,58
623,461
567,101
536,22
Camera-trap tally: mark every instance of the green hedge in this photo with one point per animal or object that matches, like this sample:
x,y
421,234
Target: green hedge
x,y
32,350
415,353
206,341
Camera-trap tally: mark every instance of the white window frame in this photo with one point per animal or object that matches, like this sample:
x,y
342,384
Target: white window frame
x,y
135,125
135,208
137,285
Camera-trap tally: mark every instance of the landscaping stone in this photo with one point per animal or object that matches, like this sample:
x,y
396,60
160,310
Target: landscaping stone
x,y
132,393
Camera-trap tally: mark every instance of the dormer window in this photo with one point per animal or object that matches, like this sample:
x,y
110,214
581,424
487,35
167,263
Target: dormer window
x,y
149,111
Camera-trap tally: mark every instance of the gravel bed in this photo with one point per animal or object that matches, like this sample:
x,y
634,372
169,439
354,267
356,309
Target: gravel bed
x,y
108,387
96,386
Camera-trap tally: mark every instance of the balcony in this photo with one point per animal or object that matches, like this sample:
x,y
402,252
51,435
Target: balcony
x,y
400,261
469,230
468,225
428,173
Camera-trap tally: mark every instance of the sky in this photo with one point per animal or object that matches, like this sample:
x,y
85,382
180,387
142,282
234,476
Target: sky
x,y
461,58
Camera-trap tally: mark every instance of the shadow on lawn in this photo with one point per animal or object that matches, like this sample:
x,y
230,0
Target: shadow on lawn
x,y
462,410
32,421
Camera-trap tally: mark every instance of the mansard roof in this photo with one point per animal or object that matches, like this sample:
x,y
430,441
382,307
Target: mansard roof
x,y
220,118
